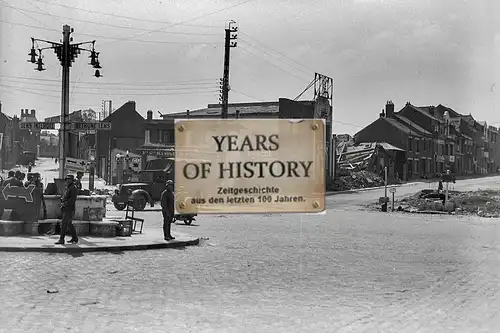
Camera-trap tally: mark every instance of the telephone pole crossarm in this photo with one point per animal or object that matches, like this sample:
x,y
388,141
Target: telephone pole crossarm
x,y
230,41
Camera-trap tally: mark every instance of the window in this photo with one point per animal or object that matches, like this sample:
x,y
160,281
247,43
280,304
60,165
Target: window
x,y
410,142
417,145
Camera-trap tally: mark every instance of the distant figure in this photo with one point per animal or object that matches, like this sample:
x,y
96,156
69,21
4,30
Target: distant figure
x,y
167,209
68,201
56,160
29,180
440,186
30,166
12,180
78,180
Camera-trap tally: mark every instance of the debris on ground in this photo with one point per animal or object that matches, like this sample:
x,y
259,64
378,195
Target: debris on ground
x,y
483,203
353,180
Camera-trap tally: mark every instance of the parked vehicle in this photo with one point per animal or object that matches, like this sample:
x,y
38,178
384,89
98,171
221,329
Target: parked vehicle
x,y
26,157
137,193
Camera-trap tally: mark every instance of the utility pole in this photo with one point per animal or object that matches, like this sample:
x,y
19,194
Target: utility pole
x,y
66,53
230,41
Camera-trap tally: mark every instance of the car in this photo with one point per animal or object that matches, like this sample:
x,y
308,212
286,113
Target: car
x,y
137,194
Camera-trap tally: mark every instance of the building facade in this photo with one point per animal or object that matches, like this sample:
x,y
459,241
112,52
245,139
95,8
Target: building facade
x,y
438,139
127,133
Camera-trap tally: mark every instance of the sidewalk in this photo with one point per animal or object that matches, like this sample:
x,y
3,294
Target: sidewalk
x,y
330,193
151,239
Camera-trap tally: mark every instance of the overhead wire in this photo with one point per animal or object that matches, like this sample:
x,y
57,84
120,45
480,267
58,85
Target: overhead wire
x,y
169,92
273,56
185,21
280,53
280,68
123,16
249,96
135,83
101,88
109,24
31,17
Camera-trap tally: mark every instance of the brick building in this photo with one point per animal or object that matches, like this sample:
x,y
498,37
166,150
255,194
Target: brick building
x,y
158,140
436,139
127,133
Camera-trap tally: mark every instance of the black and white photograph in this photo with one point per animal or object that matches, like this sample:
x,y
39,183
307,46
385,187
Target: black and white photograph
x,y
227,166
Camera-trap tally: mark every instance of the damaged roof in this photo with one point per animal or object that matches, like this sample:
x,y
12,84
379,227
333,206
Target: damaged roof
x,y
360,156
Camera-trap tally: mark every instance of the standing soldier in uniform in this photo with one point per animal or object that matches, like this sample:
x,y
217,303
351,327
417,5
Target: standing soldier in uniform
x,y
68,208
78,180
167,209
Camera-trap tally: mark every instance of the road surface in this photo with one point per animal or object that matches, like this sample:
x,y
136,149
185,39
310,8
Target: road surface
x,y
344,271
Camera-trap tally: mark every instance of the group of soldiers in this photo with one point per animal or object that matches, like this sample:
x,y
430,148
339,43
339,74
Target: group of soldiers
x,y
16,178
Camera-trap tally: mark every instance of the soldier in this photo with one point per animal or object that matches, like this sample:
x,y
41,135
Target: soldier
x,y
30,180
68,208
12,179
167,209
78,180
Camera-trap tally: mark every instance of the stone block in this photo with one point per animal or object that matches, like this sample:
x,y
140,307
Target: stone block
x,y
103,228
11,228
87,208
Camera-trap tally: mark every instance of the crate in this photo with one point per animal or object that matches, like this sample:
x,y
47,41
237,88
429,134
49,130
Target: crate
x,y
124,228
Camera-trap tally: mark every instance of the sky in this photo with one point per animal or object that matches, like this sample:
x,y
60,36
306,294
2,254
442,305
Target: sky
x,y
167,55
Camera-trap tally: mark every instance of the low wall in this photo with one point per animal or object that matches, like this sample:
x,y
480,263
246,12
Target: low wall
x,y
87,208
105,228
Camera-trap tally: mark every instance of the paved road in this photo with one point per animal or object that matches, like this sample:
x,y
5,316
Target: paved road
x,y
343,271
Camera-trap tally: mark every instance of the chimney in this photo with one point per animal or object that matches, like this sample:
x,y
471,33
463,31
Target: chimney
x,y
33,112
237,114
150,115
187,113
382,114
431,110
389,109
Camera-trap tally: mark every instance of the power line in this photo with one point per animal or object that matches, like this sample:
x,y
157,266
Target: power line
x,y
115,38
100,88
239,92
125,17
135,83
31,17
284,70
119,94
110,25
256,47
282,54
185,21
41,9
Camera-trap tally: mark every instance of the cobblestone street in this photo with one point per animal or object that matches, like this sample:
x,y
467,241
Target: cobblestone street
x,y
339,272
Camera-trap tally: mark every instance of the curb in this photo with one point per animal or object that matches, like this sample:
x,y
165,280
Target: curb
x,y
112,248
366,189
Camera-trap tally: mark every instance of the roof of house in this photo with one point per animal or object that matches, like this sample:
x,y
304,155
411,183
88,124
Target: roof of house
x,y
243,108
451,112
360,155
412,124
425,110
398,125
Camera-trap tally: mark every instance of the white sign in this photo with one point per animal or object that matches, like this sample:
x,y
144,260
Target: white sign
x,y
94,125
392,190
37,126
250,166
75,164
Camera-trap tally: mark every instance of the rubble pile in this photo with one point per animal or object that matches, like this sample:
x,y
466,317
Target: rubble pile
x,y
350,180
483,203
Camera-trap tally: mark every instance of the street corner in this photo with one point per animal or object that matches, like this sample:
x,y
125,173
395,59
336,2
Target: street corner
x,y
150,240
